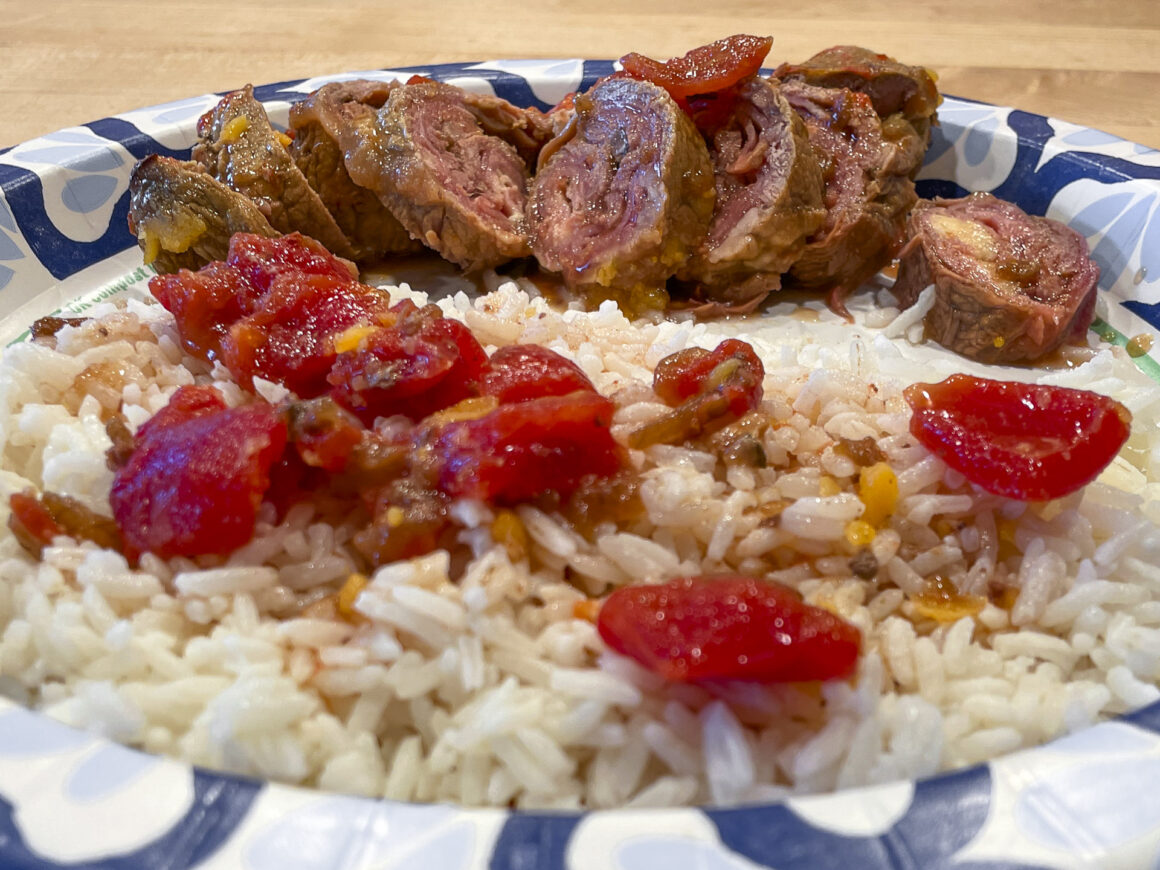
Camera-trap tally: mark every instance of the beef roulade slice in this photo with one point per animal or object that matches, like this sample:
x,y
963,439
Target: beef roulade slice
x,y
868,191
623,196
242,150
331,115
1009,287
437,160
183,217
905,97
893,87
769,199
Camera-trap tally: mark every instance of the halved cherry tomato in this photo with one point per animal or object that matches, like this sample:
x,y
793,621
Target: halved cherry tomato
x,y
703,70
1024,441
728,627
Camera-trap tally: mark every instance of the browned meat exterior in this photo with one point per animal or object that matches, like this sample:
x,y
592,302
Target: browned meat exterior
x,y
453,185
868,191
183,217
330,115
893,87
769,199
240,147
624,195
1009,287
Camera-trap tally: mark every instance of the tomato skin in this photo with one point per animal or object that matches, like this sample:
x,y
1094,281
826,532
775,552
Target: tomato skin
x,y
289,337
727,627
1030,442
518,372
196,476
422,364
261,261
704,70
523,450
687,373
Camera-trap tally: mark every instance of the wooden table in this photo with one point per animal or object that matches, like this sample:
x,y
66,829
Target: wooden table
x,y
65,62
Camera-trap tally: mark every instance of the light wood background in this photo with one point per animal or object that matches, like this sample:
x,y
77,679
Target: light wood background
x,y
65,62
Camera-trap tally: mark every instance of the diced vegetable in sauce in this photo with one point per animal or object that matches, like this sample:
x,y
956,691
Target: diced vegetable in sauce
x,y
199,471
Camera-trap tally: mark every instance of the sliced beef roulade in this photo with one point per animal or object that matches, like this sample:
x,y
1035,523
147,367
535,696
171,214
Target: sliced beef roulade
x,y
434,162
623,195
1009,287
769,199
331,115
868,191
905,97
893,87
183,217
241,148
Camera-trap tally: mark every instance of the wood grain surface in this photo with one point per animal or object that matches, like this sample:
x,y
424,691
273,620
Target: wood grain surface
x,y
65,62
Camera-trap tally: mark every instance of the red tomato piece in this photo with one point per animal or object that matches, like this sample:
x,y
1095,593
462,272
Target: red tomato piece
x,y
184,404
196,477
323,434
1024,441
526,449
519,372
289,337
204,304
425,363
261,261
732,368
727,628
703,70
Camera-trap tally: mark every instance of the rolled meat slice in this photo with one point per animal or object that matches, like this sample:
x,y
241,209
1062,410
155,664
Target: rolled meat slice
x,y
326,118
769,199
623,196
183,217
435,161
905,97
1009,287
893,87
241,148
868,191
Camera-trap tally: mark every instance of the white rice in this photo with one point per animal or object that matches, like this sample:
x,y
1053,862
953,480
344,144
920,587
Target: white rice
x,y
477,683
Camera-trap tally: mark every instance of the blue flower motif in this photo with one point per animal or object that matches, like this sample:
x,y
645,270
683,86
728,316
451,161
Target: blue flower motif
x,y
109,769
23,733
81,159
87,193
9,249
647,853
7,222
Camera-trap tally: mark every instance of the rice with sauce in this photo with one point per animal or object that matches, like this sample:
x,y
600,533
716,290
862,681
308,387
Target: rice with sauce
x,y
474,677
